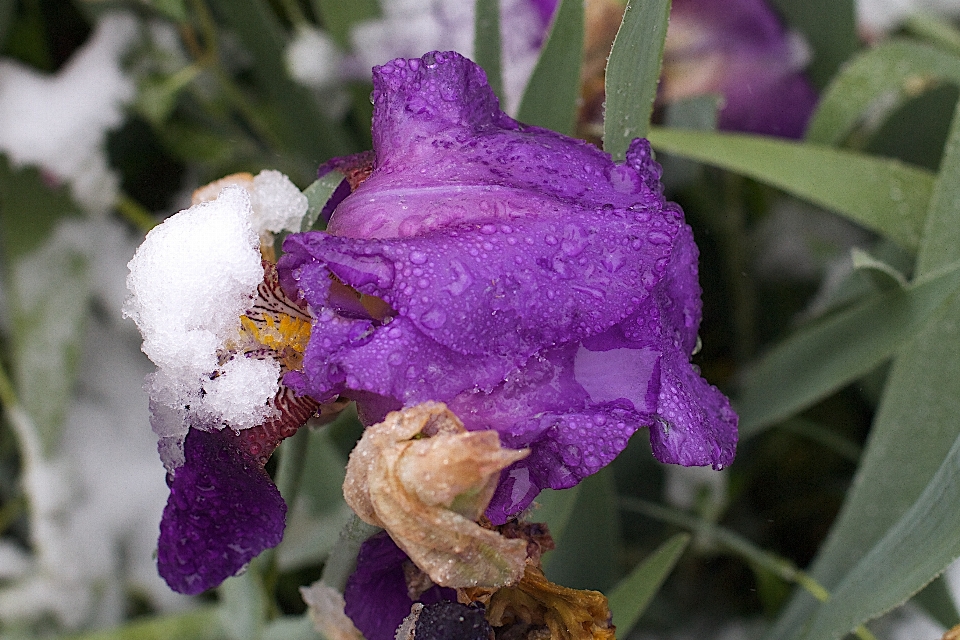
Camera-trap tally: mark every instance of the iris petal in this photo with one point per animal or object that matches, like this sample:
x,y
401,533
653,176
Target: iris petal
x,y
535,286
223,510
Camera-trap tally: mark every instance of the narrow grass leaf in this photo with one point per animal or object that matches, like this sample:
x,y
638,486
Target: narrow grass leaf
x,y
318,193
937,600
884,195
550,99
913,432
823,358
589,546
914,551
633,72
630,598
883,77
486,43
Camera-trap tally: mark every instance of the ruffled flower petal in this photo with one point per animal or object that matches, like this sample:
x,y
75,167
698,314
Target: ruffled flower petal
x,y
377,594
222,512
525,279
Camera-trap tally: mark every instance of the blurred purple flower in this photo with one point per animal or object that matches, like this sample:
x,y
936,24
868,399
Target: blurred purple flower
x,y
740,50
521,276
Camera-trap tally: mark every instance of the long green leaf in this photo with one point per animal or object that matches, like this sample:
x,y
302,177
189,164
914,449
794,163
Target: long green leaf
x,y
486,43
550,99
913,552
885,76
819,360
201,624
916,422
588,548
633,72
630,598
884,195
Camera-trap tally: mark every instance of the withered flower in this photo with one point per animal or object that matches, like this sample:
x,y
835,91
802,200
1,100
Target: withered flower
x,y
537,603
424,478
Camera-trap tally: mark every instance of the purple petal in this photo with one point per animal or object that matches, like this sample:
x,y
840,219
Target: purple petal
x,y
447,155
223,510
376,594
535,286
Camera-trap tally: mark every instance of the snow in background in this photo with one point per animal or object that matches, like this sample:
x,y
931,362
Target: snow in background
x,y
410,28
59,122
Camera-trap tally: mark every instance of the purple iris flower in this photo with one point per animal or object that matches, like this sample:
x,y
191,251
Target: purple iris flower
x,y
522,277
739,49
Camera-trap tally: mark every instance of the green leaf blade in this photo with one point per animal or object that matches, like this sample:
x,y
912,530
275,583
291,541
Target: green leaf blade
x,y
633,73
631,596
884,195
487,46
550,99
914,431
827,356
885,75
912,553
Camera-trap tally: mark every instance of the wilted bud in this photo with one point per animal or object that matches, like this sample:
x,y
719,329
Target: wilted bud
x,y
424,478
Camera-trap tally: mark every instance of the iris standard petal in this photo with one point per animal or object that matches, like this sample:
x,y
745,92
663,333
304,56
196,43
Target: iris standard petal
x,y
528,281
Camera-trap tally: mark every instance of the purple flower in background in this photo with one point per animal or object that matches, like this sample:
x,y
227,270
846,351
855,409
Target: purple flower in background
x,y
739,49
517,275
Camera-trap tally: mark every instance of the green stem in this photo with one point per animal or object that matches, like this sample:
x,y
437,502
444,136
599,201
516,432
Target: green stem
x,y
135,213
293,456
343,558
738,545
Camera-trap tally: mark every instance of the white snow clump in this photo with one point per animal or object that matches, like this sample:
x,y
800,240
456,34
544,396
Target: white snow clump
x,y
191,280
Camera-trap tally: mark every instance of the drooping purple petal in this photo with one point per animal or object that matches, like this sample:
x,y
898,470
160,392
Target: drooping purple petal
x,y
223,510
377,598
739,48
534,285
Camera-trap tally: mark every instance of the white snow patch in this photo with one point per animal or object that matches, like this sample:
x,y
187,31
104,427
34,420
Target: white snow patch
x,y
59,122
191,280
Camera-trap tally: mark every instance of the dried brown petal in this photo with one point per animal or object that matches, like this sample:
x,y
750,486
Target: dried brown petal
x,y
424,478
569,614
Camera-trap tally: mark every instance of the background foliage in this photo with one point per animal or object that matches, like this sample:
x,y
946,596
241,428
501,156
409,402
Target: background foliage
x,y
842,355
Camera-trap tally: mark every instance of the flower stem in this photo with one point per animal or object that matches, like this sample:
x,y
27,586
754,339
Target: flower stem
x,y
293,457
738,545
135,213
343,558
